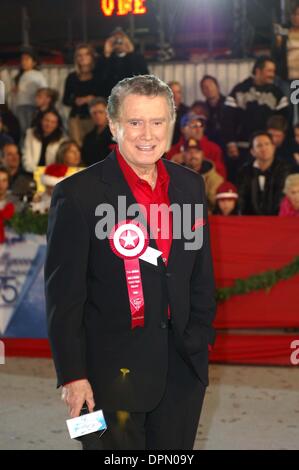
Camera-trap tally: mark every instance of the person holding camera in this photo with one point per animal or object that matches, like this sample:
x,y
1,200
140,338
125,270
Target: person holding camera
x,y
119,61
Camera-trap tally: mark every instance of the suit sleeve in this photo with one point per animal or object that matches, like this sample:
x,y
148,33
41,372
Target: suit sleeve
x,y
68,241
199,332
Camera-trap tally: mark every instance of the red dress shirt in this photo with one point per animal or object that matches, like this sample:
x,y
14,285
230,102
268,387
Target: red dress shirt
x,y
146,196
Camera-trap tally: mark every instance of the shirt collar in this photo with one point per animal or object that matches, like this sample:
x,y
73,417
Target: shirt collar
x,y
133,179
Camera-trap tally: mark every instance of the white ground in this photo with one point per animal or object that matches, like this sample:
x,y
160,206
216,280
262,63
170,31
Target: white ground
x,y
246,407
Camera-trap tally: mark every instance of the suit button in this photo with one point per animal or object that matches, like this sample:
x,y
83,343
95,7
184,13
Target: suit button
x,y
163,324
168,275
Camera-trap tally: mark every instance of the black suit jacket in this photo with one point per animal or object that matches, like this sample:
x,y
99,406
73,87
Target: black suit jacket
x,y
89,318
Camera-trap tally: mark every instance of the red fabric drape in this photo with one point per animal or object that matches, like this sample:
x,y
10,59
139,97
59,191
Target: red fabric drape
x,y
255,349
243,246
229,348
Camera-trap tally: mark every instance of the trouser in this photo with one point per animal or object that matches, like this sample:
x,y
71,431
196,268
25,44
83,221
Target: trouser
x,y
25,115
78,128
172,425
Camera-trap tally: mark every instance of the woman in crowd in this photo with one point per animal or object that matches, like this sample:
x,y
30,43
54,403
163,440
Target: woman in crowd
x,y
69,154
42,142
290,204
80,89
27,82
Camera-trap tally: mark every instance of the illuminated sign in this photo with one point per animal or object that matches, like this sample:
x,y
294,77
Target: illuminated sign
x,y
123,7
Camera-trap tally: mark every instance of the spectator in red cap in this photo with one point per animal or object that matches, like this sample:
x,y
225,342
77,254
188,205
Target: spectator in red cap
x,y
54,173
226,200
194,159
193,127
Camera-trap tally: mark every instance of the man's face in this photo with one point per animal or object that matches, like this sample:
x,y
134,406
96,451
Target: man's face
x,y
142,129
263,149
293,195
177,93
194,130
3,183
42,100
11,156
266,75
193,158
277,137
98,114
209,89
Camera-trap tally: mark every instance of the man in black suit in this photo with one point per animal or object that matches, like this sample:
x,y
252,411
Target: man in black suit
x,y
134,346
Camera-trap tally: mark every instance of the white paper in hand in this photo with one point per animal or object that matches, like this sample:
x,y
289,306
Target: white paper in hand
x,y
86,424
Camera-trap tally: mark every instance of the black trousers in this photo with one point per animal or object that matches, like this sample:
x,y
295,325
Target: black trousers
x,y
172,425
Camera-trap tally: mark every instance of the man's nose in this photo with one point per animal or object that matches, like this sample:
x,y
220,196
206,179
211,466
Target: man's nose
x,y
147,134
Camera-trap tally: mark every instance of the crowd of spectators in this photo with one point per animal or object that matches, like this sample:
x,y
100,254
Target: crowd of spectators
x,y
245,145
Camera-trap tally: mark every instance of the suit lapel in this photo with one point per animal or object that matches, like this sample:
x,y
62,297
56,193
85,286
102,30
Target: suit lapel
x,y
176,196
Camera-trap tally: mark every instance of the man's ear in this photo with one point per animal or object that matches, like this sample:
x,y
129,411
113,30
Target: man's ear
x,y
113,128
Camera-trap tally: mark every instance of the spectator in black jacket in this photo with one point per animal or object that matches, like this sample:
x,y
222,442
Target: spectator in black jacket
x,y
277,126
10,123
120,61
80,88
97,143
21,183
247,109
215,102
261,182
181,109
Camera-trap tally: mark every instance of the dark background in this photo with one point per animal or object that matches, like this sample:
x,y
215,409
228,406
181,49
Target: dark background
x,y
185,24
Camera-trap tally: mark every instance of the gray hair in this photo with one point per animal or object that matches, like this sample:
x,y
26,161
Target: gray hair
x,y
97,100
145,85
291,180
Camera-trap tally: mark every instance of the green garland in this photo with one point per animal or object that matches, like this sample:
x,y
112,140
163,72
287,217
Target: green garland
x,y
264,281
30,222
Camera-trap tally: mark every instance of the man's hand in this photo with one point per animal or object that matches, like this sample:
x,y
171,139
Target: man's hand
x,y
75,395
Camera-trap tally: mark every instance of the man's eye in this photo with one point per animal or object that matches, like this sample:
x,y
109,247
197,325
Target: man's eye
x,y
158,123
134,123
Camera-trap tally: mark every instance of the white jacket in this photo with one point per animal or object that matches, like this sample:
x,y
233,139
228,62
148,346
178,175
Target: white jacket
x,y
32,149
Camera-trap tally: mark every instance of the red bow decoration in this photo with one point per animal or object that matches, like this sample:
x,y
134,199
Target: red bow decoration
x,y
5,214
